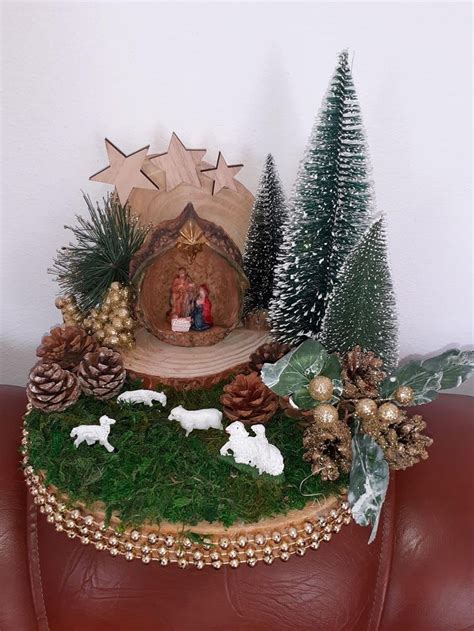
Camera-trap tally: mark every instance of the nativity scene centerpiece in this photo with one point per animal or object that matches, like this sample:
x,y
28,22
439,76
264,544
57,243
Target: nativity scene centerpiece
x,y
190,307
189,281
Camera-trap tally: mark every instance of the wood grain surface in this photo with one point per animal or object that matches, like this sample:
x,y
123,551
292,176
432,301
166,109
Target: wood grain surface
x,y
163,363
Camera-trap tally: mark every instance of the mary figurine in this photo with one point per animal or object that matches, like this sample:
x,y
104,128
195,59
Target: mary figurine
x,y
202,312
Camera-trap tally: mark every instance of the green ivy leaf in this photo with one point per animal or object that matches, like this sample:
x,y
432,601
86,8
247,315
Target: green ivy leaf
x,y
295,370
427,377
332,368
368,482
302,399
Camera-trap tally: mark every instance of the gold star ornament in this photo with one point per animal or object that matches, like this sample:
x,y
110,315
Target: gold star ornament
x,y
124,172
222,174
179,164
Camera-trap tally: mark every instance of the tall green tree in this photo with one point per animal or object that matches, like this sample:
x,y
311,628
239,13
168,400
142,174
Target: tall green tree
x,y
264,238
362,308
328,213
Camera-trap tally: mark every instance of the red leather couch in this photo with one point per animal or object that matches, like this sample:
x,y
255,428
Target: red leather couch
x,y
417,575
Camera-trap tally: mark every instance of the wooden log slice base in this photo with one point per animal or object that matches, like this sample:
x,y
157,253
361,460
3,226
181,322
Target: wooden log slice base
x,y
186,368
196,546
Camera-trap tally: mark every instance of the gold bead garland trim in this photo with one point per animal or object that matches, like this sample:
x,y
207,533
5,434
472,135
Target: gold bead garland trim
x,y
214,551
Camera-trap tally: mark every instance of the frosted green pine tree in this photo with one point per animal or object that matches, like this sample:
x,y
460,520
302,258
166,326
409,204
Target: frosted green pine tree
x,y
328,213
264,238
362,308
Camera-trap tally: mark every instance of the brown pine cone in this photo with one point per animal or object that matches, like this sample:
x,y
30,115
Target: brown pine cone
x,y
101,373
50,388
66,346
257,320
361,373
267,354
402,441
247,399
328,449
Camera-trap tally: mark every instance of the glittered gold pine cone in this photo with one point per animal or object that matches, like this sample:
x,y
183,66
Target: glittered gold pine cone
x,y
51,388
361,374
247,399
403,442
101,373
267,354
328,449
66,346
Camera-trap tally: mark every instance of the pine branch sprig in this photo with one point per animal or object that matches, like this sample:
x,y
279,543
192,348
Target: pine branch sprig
x,y
104,244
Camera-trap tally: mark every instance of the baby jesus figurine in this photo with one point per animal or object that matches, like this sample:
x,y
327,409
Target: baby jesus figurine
x,y
202,312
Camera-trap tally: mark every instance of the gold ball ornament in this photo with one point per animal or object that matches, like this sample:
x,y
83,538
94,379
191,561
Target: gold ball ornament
x,y
123,312
125,292
100,336
103,317
115,299
124,339
60,302
404,395
117,323
326,414
112,341
320,388
115,285
128,324
366,408
87,323
388,412
110,330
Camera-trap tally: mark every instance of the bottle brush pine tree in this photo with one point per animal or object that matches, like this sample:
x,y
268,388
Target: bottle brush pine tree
x,y
362,310
329,212
264,238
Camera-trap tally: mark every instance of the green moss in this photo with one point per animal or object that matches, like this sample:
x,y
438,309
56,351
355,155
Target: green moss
x,y
156,473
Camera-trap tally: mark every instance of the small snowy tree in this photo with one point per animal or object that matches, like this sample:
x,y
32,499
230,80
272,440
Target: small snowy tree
x,y
329,212
362,308
264,238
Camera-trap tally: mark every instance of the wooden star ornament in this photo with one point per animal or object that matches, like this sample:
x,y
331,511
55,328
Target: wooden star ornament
x,y
124,172
179,164
222,174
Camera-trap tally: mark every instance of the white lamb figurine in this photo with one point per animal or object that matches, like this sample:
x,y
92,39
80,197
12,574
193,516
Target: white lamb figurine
x,y
196,419
255,451
94,433
147,397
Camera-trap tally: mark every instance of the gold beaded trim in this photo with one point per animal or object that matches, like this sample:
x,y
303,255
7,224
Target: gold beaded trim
x,y
214,551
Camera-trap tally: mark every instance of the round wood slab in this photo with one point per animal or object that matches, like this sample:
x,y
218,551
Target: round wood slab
x,y
199,545
155,362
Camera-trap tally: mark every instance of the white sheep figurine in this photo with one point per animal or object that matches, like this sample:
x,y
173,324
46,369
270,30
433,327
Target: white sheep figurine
x,y
255,451
94,433
196,419
147,397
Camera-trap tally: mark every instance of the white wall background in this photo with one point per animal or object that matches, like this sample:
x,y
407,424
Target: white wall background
x,y
246,78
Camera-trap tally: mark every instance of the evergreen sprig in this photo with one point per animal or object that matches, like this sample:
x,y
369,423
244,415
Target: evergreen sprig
x,y
105,244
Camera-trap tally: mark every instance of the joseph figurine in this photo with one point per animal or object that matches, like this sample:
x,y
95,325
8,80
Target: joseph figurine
x,y
182,295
